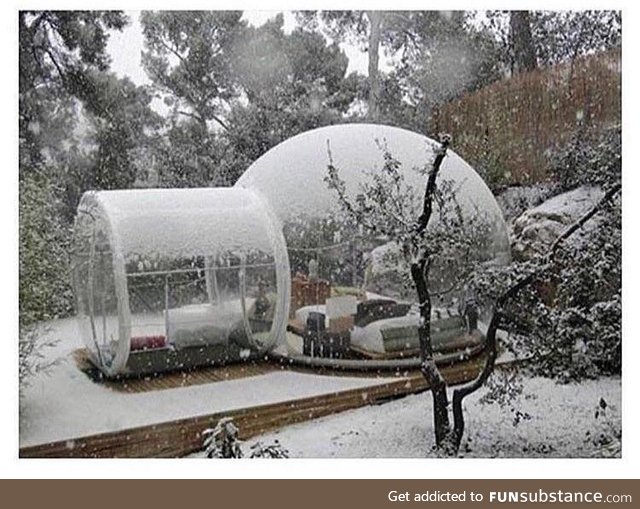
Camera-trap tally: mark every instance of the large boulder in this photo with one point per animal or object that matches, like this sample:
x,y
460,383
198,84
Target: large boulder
x,y
535,230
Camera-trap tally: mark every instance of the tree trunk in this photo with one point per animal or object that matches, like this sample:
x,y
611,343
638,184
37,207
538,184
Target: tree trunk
x,y
524,52
420,275
375,20
437,384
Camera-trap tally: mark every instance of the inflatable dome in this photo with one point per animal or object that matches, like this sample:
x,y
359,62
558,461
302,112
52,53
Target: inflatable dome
x,y
291,177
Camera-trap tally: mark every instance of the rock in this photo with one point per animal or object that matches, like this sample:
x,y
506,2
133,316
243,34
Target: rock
x,y
515,200
535,230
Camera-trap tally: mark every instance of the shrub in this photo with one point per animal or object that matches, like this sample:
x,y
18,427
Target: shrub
x,y
591,157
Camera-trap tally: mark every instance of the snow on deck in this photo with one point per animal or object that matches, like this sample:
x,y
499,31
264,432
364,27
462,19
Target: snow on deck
x,y
66,404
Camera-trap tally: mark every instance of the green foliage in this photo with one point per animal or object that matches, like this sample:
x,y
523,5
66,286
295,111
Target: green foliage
x,y
59,49
292,83
371,30
63,61
255,128
63,44
109,149
44,291
126,124
189,155
437,56
236,91
188,57
566,35
352,26
267,60
443,56
558,36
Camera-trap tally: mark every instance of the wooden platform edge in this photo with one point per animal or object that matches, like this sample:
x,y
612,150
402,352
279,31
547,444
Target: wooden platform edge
x,y
184,436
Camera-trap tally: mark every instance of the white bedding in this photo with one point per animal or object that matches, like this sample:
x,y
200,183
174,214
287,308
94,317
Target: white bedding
x,y
199,324
369,337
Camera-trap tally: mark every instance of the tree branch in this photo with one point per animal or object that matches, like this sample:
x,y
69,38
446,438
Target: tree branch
x,y
217,119
192,75
427,202
491,343
578,224
192,115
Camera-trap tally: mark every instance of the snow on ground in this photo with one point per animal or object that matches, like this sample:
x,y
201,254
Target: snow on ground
x,y
557,418
67,404
561,423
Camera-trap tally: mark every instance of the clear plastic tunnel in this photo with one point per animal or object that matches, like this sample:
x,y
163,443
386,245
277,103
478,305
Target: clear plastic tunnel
x,y
175,278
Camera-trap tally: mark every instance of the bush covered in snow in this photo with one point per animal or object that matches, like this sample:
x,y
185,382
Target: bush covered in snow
x,y
588,299
44,290
222,442
591,157
31,355
534,231
568,322
275,450
606,435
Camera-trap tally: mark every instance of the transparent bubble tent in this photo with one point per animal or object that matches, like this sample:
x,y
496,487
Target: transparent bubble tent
x,y
178,278
291,177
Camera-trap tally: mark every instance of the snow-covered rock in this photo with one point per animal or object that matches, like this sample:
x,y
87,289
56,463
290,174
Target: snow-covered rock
x,y
515,200
536,229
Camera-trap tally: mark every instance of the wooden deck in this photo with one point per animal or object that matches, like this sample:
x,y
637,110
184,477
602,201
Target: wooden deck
x,y
182,437
211,374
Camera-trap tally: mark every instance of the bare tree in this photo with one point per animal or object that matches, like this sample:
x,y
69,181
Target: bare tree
x,y
386,209
383,208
